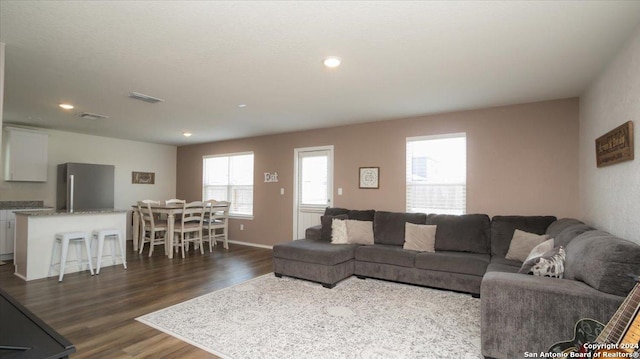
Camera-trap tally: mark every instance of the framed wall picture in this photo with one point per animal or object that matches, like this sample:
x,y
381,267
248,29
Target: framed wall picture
x,y
615,146
143,177
369,177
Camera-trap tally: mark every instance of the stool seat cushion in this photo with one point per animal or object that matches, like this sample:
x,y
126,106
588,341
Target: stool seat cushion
x,y
318,252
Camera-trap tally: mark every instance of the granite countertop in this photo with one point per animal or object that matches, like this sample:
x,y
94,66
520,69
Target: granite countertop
x,y
65,212
21,204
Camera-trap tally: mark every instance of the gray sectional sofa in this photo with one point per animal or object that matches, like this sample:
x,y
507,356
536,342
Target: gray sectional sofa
x,y
519,313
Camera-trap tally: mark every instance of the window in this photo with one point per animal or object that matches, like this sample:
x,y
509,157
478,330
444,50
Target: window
x,y
437,174
229,178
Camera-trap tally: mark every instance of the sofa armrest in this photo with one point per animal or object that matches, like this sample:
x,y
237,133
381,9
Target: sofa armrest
x,y
314,232
524,313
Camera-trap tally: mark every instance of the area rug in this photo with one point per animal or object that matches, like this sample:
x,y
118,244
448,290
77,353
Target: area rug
x,y
269,317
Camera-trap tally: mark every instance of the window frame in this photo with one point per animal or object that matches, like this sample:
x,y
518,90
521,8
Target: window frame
x,y
229,155
408,182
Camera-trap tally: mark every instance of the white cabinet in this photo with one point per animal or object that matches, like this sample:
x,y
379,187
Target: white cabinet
x,y
7,231
26,155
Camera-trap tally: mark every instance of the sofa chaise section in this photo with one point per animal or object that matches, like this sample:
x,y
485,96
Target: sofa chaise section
x,y
314,260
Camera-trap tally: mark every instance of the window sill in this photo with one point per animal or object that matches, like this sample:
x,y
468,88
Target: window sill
x,y
239,216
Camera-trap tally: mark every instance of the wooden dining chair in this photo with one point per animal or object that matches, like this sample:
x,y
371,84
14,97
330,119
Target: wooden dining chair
x,y
189,227
150,226
216,222
175,201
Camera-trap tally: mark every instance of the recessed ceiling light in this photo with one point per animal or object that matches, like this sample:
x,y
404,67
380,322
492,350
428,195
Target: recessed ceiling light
x,y
66,106
187,134
242,105
331,62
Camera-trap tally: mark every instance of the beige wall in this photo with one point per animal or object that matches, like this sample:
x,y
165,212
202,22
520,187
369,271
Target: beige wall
x,y
522,159
126,155
610,195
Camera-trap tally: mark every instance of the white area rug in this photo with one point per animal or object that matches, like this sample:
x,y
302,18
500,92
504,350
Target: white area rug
x,y
269,317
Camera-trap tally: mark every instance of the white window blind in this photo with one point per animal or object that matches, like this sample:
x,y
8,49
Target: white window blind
x,y
437,174
230,178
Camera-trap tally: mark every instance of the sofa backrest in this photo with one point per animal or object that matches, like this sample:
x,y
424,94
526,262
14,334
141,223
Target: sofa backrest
x,y
388,227
502,228
603,261
464,233
560,225
568,234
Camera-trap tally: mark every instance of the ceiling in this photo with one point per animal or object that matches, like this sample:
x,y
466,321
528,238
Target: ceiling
x,y
204,58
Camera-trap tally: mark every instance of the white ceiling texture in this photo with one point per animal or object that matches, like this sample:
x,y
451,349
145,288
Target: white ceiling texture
x,y
205,58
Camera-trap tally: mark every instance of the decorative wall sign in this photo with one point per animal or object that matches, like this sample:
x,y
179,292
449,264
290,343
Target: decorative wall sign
x,y
615,146
270,177
369,177
143,177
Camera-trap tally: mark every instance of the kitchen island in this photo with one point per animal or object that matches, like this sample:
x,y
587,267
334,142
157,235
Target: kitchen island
x,y
35,231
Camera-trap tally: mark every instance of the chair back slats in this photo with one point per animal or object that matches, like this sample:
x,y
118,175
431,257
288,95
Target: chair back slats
x,y
146,215
175,201
192,214
217,211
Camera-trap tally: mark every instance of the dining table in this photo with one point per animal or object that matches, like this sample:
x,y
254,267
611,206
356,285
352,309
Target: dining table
x,y
170,210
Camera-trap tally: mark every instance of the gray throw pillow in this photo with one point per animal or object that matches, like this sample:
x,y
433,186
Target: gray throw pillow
x,y
550,264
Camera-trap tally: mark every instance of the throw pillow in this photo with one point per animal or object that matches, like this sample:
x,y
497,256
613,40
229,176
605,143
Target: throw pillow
x,y
338,231
522,243
541,249
419,237
325,231
359,232
550,264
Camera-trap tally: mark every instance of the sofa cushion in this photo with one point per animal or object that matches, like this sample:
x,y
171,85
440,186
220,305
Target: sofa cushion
x,y
560,225
501,264
319,252
464,233
326,221
454,262
419,237
563,238
334,211
361,215
603,261
502,228
388,227
386,254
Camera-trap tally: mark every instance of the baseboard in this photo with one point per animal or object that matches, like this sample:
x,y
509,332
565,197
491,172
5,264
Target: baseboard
x,y
20,276
251,244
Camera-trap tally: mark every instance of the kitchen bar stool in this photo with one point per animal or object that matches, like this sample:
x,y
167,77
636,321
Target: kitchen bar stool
x,y
62,240
111,234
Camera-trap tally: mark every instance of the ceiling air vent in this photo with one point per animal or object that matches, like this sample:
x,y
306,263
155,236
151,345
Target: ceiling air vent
x,y
93,116
145,98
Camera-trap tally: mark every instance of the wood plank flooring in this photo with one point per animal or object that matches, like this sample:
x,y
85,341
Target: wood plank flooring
x,y
97,314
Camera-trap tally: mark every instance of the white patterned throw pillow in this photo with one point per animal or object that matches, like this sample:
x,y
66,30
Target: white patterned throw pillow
x,y
550,264
339,231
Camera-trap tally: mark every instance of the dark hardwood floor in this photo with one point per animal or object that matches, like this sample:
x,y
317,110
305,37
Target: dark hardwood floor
x,y
97,313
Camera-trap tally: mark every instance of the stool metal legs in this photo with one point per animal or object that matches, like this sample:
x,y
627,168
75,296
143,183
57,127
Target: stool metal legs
x,y
63,240
114,236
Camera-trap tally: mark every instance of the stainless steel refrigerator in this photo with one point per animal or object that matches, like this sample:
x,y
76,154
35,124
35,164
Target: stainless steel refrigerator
x,y
83,186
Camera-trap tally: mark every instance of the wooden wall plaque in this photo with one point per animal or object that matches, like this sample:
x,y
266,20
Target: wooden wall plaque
x,y
615,146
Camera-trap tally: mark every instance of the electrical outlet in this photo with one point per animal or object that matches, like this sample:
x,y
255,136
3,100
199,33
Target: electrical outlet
x,y
242,227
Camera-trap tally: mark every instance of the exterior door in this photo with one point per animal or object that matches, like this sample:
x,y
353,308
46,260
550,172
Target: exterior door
x,y
313,187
